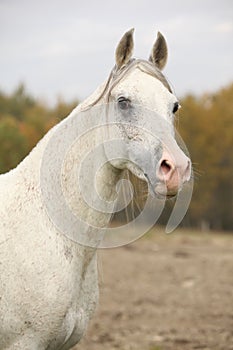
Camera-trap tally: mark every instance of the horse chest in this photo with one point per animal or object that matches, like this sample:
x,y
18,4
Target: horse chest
x,y
55,289
82,305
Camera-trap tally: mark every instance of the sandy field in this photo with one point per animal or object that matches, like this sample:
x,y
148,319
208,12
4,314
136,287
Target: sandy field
x,y
165,292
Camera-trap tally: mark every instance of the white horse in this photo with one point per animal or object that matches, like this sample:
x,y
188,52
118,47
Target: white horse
x,y
49,282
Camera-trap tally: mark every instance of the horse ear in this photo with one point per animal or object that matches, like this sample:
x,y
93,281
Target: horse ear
x,y
124,49
159,52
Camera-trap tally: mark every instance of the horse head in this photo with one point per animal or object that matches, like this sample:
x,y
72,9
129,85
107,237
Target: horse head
x,y
142,110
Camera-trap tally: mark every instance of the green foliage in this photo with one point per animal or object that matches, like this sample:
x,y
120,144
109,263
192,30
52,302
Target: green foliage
x,y
17,103
11,140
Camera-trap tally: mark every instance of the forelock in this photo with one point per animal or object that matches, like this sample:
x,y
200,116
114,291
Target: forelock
x,y
117,75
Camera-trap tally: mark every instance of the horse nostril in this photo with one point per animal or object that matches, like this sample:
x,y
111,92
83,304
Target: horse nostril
x,y
165,167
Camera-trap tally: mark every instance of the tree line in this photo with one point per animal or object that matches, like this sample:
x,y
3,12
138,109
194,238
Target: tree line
x,y
23,122
206,125
204,122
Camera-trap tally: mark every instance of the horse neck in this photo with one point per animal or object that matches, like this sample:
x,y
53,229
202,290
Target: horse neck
x,y
82,194
30,165
89,181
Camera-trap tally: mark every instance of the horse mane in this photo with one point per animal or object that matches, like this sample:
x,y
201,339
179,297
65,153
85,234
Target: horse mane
x,y
117,75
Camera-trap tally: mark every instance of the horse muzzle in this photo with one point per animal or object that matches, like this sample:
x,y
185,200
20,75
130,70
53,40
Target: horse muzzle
x,y
172,172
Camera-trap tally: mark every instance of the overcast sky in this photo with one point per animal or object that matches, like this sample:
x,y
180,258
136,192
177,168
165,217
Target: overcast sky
x,y
66,47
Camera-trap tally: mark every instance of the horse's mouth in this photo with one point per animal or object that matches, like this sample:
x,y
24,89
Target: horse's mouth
x,y
165,196
140,174
156,193
161,193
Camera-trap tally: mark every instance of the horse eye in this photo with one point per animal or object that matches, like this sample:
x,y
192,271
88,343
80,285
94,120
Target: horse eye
x,y
175,107
123,102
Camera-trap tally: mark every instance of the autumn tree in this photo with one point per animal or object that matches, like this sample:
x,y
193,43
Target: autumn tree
x,y
23,122
207,128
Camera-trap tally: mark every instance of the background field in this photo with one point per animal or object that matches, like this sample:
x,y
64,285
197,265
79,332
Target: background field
x,y
165,292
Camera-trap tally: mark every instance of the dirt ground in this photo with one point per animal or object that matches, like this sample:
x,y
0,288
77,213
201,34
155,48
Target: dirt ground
x,y
165,292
